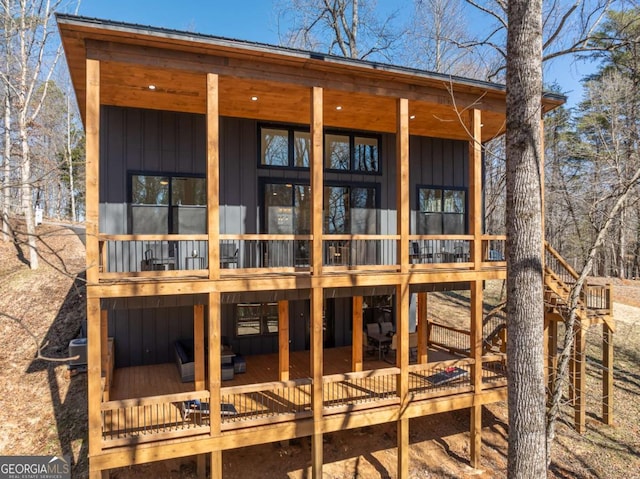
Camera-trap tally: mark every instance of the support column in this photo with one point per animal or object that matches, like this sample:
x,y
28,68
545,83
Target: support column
x,y
198,346
607,374
580,378
317,174
402,182
214,379
475,338
476,214
402,362
104,352
94,389
552,358
316,374
92,167
283,340
213,175
358,337
423,329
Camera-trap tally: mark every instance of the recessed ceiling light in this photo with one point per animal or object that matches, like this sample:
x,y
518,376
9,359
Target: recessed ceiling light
x,y
152,87
412,117
338,108
254,98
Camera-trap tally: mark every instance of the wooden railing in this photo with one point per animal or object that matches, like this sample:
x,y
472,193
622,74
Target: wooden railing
x,y
597,298
131,421
441,378
494,249
425,251
449,338
494,370
267,403
359,390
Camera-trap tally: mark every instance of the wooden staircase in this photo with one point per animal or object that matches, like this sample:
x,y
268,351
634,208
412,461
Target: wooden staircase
x,y
594,307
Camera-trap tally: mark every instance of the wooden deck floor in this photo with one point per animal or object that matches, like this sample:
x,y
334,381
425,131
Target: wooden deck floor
x,y
160,379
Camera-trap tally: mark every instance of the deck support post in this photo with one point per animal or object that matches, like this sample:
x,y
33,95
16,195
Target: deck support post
x,y
607,374
104,353
423,329
358,337
475,338
402,362
215,465
201,466
198,346
213,175
476,213
316,374
580,376
283,340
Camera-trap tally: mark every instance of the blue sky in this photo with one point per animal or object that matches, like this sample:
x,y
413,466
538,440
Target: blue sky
x,y
255,20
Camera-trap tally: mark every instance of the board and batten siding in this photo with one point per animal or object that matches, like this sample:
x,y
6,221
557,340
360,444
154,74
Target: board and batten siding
x,y
159,142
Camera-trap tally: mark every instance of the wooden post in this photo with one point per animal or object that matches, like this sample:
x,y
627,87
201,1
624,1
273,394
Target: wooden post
x,y
214,379
92,168
316,374
358,337
402,182
215,464
94,389
475,186
213,175
607,374
475,339
283,340
423,346
552,350
198,346
580,378
201,466
402,362
104,353
317,173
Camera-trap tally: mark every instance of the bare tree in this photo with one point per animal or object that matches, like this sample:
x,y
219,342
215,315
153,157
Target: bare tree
x,y
349,28
30,47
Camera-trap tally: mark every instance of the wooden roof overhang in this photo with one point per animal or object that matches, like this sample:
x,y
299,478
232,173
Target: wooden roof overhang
x,y
133,57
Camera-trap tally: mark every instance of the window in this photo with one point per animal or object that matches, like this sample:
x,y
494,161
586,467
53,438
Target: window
x,y
287,208
350,210
284,147
441,211
254,319
290,147
162,204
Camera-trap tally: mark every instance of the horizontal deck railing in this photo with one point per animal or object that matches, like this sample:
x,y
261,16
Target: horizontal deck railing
x,y
130,421
441,378
494,370
360,251
452,339
360,389
494,249
428,250
267,402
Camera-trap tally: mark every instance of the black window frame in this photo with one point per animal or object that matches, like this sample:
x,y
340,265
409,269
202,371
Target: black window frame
x,y
442,189
170,176
291,131
263,319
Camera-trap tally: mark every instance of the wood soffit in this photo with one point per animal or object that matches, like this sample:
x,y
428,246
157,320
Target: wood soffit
x,y
132,58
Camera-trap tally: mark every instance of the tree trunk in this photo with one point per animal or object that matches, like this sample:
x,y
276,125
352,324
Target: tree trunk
x,y
27,202
6,168
525,309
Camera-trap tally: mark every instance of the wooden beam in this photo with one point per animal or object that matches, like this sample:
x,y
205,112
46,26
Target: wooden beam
x,y
607,374
317,186
316,374
358,336
213,175
475,449
198,346
475,186
402,182
423,328
215,465
92,171
215,371
104,353
94,376
475,336
283,340
580,369
403,448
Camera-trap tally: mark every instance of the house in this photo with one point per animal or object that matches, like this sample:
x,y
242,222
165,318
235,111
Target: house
x,y
256,217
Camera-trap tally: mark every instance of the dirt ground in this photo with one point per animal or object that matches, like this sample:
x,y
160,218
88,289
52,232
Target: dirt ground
x,y
42,411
